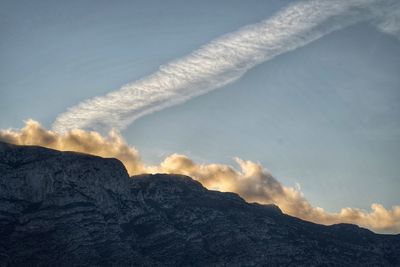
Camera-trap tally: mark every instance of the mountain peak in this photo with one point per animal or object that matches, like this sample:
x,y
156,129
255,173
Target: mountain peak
x,y
66,208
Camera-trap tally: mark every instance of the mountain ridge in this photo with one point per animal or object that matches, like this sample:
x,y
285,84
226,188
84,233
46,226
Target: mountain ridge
x,y
70,209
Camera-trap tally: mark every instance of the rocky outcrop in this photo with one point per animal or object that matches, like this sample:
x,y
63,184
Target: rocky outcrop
x,y
71,209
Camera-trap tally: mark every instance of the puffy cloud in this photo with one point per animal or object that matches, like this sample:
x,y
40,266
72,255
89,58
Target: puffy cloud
x,y
251,180
112,146
255,184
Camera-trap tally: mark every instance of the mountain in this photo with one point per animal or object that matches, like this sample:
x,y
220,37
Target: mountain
x,y
71,209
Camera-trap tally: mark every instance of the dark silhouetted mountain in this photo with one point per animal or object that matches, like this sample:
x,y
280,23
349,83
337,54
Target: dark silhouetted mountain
x,y
70,209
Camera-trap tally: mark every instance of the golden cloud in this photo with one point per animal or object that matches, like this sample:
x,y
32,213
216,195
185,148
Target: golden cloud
x,y
251,181
112,146
255,184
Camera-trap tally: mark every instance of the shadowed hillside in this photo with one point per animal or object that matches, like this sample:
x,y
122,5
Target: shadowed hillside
x,y
69,209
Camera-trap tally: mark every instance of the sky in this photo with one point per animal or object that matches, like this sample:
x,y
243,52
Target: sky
x,y
323,117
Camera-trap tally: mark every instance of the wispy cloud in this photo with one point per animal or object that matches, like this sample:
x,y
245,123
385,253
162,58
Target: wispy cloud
x,y
219,62
251,180
389,21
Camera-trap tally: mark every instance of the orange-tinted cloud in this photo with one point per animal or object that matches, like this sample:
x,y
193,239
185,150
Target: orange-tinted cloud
x,y
255,184
112,146
251,181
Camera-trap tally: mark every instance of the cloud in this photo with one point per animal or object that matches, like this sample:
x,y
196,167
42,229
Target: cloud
x,y
251,181
112,146
219,62
390,20
255,184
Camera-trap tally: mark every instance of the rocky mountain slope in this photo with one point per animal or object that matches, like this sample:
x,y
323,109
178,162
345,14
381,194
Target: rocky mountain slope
x,y
71,209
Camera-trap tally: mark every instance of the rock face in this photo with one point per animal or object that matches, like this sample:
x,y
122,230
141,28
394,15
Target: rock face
x,y
70,209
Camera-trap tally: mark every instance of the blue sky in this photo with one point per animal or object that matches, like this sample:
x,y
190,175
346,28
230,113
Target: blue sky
x,y
324,116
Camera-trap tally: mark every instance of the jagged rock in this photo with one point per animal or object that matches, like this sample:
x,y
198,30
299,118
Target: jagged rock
x,y
71,209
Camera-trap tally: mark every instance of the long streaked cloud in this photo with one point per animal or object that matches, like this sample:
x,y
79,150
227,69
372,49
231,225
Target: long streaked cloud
x,y
221,62
251,180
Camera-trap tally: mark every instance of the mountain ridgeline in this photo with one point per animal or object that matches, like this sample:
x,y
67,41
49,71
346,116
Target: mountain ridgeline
x,y
71,209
